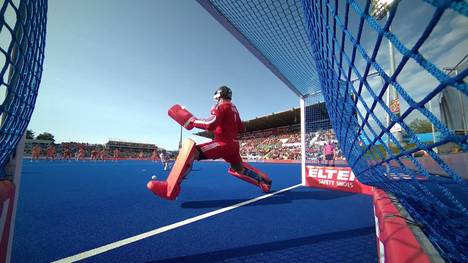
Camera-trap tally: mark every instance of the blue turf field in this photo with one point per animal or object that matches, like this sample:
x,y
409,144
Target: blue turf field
x,y
66,208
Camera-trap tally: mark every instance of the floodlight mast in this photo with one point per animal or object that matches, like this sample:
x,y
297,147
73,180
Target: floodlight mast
x,y
380,9
460,96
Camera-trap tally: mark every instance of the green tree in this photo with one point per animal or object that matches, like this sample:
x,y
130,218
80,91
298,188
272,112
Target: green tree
x,y
46,136
420,126
29,134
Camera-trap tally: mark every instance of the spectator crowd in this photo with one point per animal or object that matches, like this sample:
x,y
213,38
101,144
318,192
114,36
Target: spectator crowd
x,y
285,144
274,144
74,150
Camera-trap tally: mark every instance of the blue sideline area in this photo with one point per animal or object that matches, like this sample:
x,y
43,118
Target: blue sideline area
x,y
69,207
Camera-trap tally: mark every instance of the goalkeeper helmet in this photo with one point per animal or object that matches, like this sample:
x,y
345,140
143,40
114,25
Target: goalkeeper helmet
x,y
223,92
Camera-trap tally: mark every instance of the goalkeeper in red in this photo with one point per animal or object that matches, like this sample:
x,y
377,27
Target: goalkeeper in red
x,y
226,125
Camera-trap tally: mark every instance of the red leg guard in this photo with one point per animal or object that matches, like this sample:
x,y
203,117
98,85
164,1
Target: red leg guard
x,y
253,176
243,177
170,188
159,188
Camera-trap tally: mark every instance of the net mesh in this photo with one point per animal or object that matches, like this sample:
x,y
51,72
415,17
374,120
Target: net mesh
x,y
377,111
385,102
22,42
378,139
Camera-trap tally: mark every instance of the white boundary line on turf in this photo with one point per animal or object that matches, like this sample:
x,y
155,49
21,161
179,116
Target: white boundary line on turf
x,y
123,242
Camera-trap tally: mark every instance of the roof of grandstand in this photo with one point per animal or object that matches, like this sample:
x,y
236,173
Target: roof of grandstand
x,y
38,141
123,143
127,141
275,120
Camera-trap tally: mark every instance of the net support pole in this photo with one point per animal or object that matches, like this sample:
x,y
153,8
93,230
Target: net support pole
x,y
15,166
394,93
303,140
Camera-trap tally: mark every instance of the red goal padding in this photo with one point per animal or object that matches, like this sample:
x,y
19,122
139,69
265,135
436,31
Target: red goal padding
x,y
395,240
7,193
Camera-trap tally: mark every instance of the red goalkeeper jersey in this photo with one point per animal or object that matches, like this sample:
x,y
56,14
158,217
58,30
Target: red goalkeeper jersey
x,y
224,121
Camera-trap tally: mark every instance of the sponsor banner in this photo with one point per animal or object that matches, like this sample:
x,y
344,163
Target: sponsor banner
x,y
395,106
335,178
396,128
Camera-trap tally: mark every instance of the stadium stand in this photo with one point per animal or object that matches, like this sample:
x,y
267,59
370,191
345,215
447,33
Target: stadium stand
x,y
30,143
129,149
277,136
274,145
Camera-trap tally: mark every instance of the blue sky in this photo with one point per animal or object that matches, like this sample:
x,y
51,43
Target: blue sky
x,y
113,68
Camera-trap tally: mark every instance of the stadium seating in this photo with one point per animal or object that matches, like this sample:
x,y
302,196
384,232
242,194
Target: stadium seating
x,y
286,145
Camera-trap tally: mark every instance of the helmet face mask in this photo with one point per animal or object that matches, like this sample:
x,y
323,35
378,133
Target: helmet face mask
x,y
217,95
222,92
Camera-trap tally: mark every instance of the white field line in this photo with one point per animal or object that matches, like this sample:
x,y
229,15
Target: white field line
x,y
126,241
